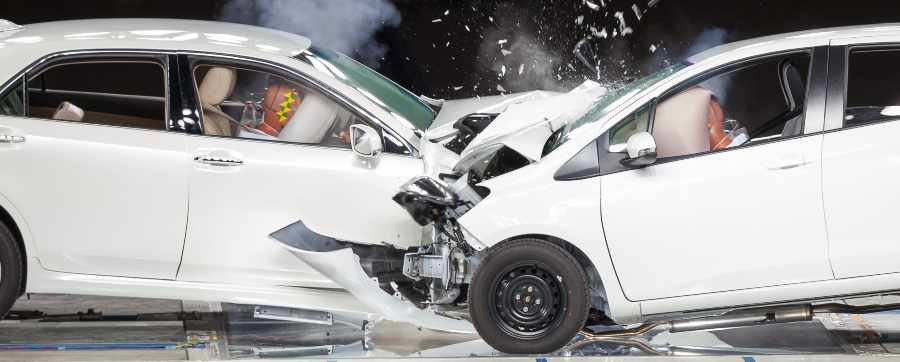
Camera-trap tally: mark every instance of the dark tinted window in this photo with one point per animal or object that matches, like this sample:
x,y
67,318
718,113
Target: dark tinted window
x,y
873,87
117,93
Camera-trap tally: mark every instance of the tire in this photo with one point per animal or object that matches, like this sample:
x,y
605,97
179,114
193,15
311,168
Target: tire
x,y
528,325
10,270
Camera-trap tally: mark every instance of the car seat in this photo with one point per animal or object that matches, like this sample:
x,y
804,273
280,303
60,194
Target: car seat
x,y
794,87
68,112
216,87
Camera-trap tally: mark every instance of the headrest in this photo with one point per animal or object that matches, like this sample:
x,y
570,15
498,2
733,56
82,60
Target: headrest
x,y
680,127
793,85
217,85
68,112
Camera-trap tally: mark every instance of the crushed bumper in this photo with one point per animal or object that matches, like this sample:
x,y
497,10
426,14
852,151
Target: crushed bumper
x,y
337,260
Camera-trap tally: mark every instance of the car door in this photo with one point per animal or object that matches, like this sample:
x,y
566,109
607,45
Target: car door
x,y
92,168
718,213
274,150
860,161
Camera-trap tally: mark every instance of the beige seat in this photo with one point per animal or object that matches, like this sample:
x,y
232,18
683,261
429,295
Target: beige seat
x,y
681,124
68,112
216,87
312,120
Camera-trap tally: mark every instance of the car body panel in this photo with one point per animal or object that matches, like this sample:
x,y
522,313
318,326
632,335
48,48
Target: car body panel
x,y
235,208
99,199
860,173
693,217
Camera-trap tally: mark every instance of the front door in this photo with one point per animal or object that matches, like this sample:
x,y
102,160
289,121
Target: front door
x,y
280,158
100,182
734,201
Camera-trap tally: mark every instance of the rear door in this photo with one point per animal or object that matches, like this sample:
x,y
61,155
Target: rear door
x,y
92,166
861,160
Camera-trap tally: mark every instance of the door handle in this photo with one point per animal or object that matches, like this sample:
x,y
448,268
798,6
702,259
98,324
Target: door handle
x,y
787,163
218,161
8,138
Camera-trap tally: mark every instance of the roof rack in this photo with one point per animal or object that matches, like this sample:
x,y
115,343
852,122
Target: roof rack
x,y
6,25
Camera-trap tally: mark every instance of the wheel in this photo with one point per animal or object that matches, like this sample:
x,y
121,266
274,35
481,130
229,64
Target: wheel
x,y
528,296
10,270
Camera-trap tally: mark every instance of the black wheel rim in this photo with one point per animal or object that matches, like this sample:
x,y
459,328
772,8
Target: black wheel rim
x,y
528,301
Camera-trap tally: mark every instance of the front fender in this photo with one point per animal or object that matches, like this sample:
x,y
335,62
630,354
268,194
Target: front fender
x,y
524,203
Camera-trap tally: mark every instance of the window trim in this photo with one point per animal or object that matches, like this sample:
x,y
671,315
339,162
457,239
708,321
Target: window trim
x,y
55,60
839,82
816,80
193,58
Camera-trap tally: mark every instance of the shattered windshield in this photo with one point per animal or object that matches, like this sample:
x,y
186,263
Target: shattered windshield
x,y
608,101
387,94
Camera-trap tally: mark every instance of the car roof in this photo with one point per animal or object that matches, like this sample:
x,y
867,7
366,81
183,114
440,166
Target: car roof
x,y
32,41
798,39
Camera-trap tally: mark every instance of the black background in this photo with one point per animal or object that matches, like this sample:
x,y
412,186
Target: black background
x,y
419,58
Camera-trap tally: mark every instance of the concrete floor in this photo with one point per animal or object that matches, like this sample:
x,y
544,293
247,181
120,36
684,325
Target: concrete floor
x,y
161,330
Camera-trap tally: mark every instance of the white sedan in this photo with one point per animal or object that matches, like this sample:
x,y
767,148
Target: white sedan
x,y
153,158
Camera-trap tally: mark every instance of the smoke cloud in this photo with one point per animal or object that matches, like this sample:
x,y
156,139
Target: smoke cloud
x,y
347,26
707,39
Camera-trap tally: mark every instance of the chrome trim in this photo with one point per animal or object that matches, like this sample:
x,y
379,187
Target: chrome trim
x,y
52,57
5,138
218,161
315,83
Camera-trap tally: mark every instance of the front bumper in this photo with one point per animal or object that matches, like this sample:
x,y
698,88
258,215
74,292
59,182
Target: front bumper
x,y
337,260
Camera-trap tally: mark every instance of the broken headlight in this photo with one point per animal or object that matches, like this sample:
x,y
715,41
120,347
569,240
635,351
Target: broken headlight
x,y
426,199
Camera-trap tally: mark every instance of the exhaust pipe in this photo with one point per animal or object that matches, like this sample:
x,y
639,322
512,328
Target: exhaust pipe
x,y
745,318
741,318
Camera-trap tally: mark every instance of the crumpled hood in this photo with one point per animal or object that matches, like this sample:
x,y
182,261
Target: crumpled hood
x,y
524,123
453,110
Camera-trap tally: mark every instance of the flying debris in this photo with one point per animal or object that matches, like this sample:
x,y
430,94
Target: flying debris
x,y
637,11
593,6
624,29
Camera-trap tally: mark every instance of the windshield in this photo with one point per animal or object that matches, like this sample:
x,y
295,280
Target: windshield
x,y
387,94
603,104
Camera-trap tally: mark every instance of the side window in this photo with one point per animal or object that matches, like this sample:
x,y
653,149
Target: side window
x,y
638,121
244,103
122,93
757,102
12,103
873,94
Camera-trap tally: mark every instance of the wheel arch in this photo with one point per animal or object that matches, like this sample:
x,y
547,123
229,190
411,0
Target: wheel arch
x,y
7,219
599,300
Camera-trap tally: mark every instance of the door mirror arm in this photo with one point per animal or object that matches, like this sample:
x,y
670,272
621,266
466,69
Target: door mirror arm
x,y
641,149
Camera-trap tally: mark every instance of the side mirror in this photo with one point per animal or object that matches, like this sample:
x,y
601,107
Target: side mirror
x,y
641,148
365,141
